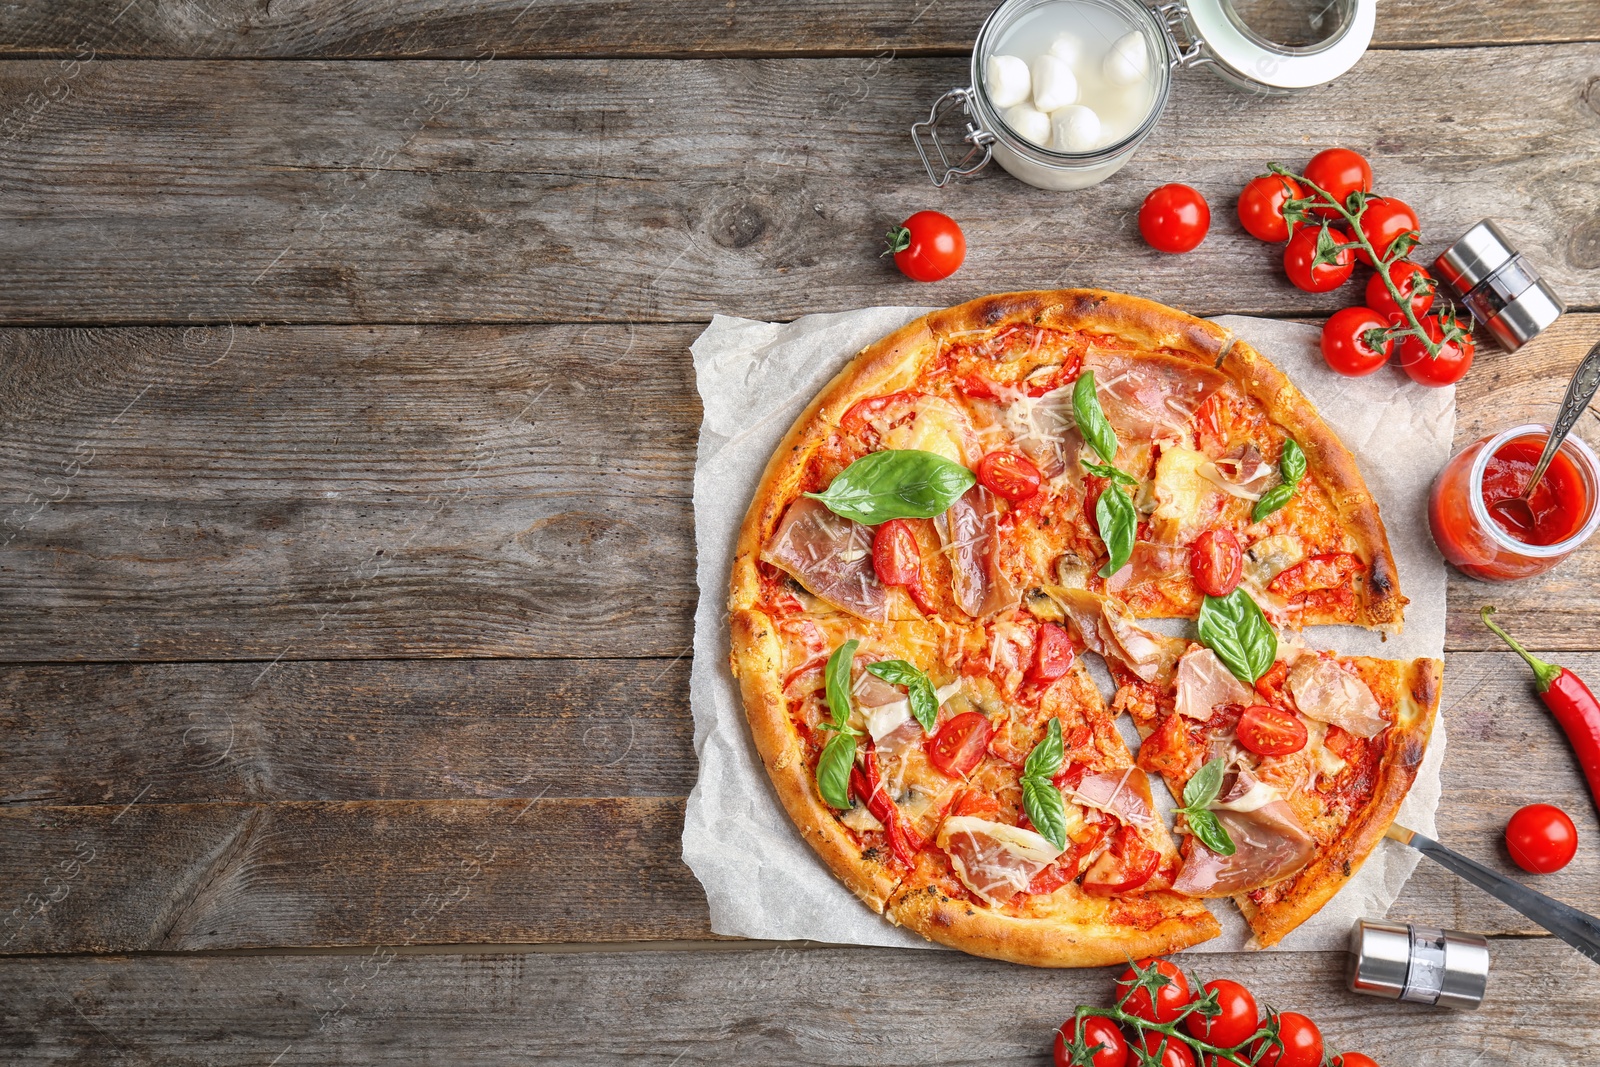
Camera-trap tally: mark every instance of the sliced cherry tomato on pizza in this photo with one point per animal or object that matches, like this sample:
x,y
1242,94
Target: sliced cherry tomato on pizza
x,y
1169,1000
1541,838
866,417
897,560
1318,259
1338,172
1269,731
1009,475
1097,1030
1328,570
1237,1016
1052,654
959,745
1385,219
1299,1043
1414,282
1216,562
1128,864
1261,206
1167,1051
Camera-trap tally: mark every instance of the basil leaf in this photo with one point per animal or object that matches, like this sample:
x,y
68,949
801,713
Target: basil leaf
x,y
919,688
833,769
1206,783
1046,809
1106,470
837,675
1091,420
1210,831
1272,500
1234,628
897,483
1045,759
1292,464
1119,526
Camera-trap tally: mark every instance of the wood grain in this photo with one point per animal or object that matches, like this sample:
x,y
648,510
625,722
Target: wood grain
x,y
778,1004
338,810
512,28
584,190
173,494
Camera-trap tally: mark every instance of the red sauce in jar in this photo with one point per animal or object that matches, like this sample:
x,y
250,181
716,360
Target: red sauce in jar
x,y
1558,504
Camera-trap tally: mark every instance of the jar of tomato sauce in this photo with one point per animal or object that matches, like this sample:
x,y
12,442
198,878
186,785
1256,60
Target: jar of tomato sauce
x,y
1484,541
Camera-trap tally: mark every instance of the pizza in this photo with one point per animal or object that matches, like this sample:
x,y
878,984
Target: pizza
x,y
979,506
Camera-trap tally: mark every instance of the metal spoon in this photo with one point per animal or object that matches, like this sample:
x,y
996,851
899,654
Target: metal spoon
x,y
1585,381
1577,929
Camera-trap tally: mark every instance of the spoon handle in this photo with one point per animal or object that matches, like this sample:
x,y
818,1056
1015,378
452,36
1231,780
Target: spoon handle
x,y
1581,390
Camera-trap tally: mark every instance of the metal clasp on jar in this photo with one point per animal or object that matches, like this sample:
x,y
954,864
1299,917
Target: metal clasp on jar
x,y
979,140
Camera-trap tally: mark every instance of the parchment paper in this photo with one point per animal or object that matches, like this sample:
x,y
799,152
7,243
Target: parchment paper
x,y
760,878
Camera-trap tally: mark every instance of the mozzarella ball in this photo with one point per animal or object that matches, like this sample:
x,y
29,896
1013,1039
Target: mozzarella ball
x,y
1066,46
1006,78
1054,85
1031,124
1074,128
1128,61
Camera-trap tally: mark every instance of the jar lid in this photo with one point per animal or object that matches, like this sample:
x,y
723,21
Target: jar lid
x,y
1418,964
1246,57
1477,254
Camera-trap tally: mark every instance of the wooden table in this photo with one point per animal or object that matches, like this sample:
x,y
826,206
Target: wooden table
x,y
346,568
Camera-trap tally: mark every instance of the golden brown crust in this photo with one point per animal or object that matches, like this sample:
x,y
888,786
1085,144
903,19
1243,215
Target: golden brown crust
x,y
1067,938
1337,862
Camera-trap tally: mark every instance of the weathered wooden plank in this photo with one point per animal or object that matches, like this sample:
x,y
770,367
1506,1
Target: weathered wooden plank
x,y
774,1004
561,190
345,730
195,871
516,28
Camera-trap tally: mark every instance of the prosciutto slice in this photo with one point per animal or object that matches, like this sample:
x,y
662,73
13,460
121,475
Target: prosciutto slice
x,y
1150,563
831,556
1149,397
1125,795
1242,472
969,532
1204,682
1046,430
1326,692
1108,628
1269,844
992,859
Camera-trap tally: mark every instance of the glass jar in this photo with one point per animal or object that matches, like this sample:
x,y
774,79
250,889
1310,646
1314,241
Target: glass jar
x,y
1472,541
1217,35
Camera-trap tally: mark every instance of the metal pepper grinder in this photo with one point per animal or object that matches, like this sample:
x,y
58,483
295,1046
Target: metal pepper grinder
x,y
1501,289
1418,964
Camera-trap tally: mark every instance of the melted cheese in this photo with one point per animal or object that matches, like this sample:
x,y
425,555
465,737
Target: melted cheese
x,y
938,428
1185,498
1326,761
1258,796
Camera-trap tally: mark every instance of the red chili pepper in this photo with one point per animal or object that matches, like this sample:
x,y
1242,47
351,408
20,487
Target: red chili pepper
x,y
904,841
1570,701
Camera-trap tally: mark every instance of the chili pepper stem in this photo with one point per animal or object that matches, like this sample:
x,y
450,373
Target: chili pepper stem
x,y
1544,673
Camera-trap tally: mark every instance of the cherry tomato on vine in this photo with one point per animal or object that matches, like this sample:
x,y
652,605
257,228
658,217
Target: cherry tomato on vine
x,y
1216,563
927,246
1414,283
1097,1030
1237,1018
1338,172
1354,1059
1541,838
960,743
1009,475
1261,206
1175,1054
1448,367
1174,218
1318,259
1385,219
1052,654
1302,1043
1270,731
1170,998
1344,342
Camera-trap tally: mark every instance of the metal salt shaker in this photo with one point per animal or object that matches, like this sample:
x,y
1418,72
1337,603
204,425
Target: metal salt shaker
x,y
1499,286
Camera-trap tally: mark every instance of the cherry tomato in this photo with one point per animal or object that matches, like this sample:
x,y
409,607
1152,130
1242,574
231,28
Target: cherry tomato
x,y
1216,563
1238,1018
1175,1054
1097,1030
1009,475
1385,219
1344,342
1269,731
1174,218
1261,206
1338,172
928,246
1354,1059
1302,1043
1300,261
1412,281
960,743
1170,998
1052,654
1541,838
1447,368
895,555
